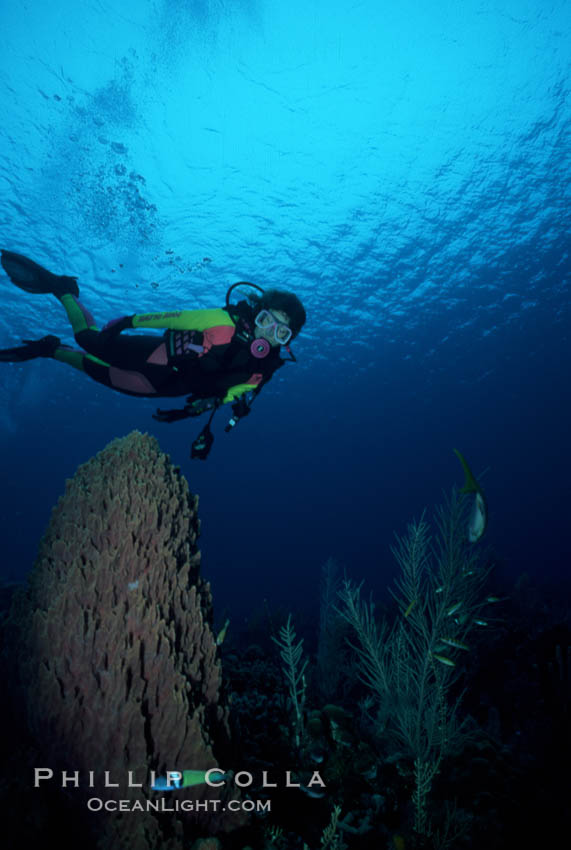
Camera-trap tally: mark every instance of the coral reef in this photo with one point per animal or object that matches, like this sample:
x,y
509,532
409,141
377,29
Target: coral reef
x,y
112,664
112,648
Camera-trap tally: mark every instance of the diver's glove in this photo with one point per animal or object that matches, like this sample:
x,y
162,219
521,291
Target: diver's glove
x,y
240,409
115,326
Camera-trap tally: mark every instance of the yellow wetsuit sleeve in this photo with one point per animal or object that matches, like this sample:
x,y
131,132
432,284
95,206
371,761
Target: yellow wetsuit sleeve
x,y
184,320
236,391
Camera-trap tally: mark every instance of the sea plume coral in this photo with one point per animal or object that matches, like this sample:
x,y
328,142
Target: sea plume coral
x,y
410,669
113,649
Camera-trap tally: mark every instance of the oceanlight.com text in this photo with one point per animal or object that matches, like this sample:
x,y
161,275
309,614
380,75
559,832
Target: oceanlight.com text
x,y
97,804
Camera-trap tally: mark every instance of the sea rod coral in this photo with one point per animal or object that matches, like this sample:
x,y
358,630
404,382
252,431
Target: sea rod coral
x,y
114,656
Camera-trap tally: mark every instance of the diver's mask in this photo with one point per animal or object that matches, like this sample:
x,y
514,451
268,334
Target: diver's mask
x,y
268,322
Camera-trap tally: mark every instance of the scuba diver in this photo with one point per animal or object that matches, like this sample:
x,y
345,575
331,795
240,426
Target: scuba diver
x,y
217,355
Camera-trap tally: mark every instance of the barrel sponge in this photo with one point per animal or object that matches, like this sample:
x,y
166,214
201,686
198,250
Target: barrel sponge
x,y
116,659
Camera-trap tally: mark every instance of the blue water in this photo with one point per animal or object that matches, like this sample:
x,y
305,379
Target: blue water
x,y
404,168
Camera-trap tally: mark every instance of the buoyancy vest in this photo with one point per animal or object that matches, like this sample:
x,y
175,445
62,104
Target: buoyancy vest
x,y
218,368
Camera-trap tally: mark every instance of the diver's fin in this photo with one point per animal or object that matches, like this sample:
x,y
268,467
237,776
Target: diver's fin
x,y
31,277
32,348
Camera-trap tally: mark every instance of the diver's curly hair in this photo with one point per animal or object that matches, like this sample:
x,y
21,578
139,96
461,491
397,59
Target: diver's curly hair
x,y
287,302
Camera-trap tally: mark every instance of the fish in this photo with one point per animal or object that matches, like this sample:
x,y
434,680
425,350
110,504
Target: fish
x,y
444,660
478,519
481,622
454,609
493,599
222,633
186,779
457,644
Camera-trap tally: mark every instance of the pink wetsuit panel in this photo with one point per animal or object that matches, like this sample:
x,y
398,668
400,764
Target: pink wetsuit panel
x,y
132,382
159,356
219,335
